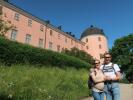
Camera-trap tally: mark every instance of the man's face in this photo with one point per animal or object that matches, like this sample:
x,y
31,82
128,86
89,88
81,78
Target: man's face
x,y
107,58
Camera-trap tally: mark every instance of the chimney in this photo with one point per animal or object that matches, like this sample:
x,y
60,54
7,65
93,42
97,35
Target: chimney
x,y
91,26
60,27
73,35
47,21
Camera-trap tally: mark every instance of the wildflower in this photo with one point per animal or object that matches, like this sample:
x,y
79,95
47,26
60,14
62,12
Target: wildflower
x,y
10,96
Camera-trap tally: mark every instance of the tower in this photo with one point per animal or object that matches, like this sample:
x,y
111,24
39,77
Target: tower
x,y
95,42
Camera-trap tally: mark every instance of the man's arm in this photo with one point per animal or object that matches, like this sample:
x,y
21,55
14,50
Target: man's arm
x,y
118,76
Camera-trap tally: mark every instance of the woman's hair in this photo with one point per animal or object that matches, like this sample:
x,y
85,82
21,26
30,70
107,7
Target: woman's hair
x,y
96,60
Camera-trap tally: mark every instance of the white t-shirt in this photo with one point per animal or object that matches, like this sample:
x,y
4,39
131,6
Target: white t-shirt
x,y
108,70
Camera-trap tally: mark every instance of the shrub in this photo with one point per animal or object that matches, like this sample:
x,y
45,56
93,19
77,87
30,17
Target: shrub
x,y
79,54
12,52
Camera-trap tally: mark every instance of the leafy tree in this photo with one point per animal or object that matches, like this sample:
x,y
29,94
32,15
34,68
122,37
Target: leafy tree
x,y
122,53
79,54
4,27
6,0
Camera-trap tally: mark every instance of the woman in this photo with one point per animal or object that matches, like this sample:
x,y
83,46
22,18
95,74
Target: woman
x,y
97,78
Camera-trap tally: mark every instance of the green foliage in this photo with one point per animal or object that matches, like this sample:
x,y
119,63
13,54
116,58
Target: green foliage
x,y
45,83
79,54
6,0
16,53
4,27
122,53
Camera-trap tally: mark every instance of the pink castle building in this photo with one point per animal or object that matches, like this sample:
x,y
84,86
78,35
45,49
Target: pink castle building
x,y
39,33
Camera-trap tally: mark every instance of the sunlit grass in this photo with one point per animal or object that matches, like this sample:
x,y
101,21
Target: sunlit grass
x,y
45,83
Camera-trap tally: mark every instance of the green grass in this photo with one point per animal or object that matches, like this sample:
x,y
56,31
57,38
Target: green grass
x,y
45,83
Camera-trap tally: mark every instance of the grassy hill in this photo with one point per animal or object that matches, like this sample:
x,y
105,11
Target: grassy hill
x,y
21,82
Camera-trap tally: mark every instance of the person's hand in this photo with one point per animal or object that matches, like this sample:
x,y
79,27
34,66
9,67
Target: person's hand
x,y
108,78
92,74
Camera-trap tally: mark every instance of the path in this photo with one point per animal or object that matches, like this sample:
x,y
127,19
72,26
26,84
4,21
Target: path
x,y
126,91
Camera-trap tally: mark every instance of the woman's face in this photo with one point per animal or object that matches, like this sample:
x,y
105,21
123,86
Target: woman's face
x,y
97,64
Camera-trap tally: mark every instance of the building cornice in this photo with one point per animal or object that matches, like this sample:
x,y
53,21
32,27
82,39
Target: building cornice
x,y
37,19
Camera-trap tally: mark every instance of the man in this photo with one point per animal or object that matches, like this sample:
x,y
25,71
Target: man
x,y
112,77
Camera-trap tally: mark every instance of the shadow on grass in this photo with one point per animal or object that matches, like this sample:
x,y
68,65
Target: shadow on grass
x,y
5,97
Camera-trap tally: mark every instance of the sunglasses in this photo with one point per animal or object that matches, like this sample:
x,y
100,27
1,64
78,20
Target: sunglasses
x,y
97,63
107,57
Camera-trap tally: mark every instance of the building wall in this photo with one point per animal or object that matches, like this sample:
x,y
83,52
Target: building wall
x,y
50,35
22,27
97,45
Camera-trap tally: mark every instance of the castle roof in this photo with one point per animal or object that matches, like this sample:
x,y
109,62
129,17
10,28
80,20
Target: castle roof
x,y
91,31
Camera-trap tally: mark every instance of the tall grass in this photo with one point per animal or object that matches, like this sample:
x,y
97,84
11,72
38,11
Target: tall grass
x,y
45,83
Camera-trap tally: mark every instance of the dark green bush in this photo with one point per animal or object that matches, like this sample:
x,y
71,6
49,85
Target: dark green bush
x,y
79,54
12,52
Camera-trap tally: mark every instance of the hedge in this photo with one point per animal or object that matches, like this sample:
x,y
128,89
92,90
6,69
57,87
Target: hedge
x,y
12,52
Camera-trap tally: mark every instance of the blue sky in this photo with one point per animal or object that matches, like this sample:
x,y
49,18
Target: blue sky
x,y
115,17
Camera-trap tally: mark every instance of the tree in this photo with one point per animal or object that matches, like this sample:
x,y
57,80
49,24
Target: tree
x,y
122,53
4,27
79,54
6,0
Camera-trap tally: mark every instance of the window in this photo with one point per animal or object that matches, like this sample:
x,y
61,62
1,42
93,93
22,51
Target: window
x,y
100,47
9,21
71,42
66,40
101,56
41,27
86,39
58,48
29,22
0,10
59,36
87,47
63,49
99,38
28,38
51,32
50,45
17,16
5,15
14,34
41,43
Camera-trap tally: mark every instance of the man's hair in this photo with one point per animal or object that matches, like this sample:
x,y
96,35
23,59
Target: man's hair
x,y
107,53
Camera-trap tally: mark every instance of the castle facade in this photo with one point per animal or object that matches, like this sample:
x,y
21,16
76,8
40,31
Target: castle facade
x,y
29,29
